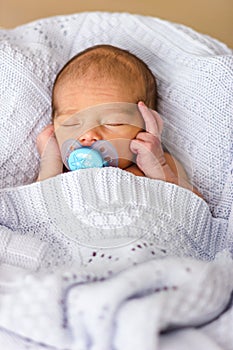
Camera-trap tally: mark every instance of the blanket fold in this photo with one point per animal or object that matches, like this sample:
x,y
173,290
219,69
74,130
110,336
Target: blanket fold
x,y
90,207
108,260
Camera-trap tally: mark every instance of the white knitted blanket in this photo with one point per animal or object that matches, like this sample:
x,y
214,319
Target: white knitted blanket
x,y
102,259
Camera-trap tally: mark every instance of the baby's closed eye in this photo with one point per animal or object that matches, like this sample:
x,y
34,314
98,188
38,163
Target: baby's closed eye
x,y
114,124
71,123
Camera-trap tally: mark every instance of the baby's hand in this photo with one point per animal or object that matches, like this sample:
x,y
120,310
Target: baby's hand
x,y
147,145
150,156
51,162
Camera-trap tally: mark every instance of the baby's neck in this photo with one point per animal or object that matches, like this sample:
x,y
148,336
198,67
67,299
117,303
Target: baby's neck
x,y
134,169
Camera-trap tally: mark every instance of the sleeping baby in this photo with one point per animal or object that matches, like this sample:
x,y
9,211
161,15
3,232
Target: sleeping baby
x,y
107,94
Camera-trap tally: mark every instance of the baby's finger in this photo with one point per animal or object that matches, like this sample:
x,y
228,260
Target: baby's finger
x,y
146,137
159,120
149,119
138,146
44,137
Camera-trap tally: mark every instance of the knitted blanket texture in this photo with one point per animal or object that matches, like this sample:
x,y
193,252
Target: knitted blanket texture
x,y
102,259
99,259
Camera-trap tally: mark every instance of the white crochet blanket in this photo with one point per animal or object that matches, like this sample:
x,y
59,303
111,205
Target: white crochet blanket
x,y
102,259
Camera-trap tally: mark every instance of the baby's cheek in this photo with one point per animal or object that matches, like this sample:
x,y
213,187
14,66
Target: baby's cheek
x,y
125,156
61,136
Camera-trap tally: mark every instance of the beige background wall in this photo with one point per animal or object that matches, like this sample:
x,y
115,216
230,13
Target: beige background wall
x,y
212,17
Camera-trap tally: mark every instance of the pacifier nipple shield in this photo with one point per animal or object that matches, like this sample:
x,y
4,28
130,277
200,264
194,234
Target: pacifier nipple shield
x,y
99,154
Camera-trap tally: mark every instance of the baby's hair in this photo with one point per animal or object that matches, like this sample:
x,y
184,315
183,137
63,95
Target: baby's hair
x,y
107,61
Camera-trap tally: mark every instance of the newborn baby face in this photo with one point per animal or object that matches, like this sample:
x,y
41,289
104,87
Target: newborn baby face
x,y
89,111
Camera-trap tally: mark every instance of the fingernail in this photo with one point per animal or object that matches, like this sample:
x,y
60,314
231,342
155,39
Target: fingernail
x,y
141,103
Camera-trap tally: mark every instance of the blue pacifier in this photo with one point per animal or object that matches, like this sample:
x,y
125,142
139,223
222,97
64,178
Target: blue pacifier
x,y
100,154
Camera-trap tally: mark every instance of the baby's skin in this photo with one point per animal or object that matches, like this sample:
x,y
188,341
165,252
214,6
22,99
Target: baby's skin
x,y
150,159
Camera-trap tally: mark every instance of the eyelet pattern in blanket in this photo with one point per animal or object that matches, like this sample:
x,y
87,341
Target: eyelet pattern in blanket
x,y
194,75
91,215
100,259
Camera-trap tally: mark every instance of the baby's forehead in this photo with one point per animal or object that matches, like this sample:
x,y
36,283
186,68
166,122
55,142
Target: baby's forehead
x,y
113,110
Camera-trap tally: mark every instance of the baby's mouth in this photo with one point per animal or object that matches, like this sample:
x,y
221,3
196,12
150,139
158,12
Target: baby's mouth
x,y
99,154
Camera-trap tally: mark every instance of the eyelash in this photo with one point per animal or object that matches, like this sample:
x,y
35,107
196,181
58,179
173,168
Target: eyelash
x,y
108,124
66,125
114,124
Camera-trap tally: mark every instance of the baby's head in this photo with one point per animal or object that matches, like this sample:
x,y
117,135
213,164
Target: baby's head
x,y
101,76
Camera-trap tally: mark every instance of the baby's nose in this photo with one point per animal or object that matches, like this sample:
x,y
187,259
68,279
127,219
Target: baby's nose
x,y
89,137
